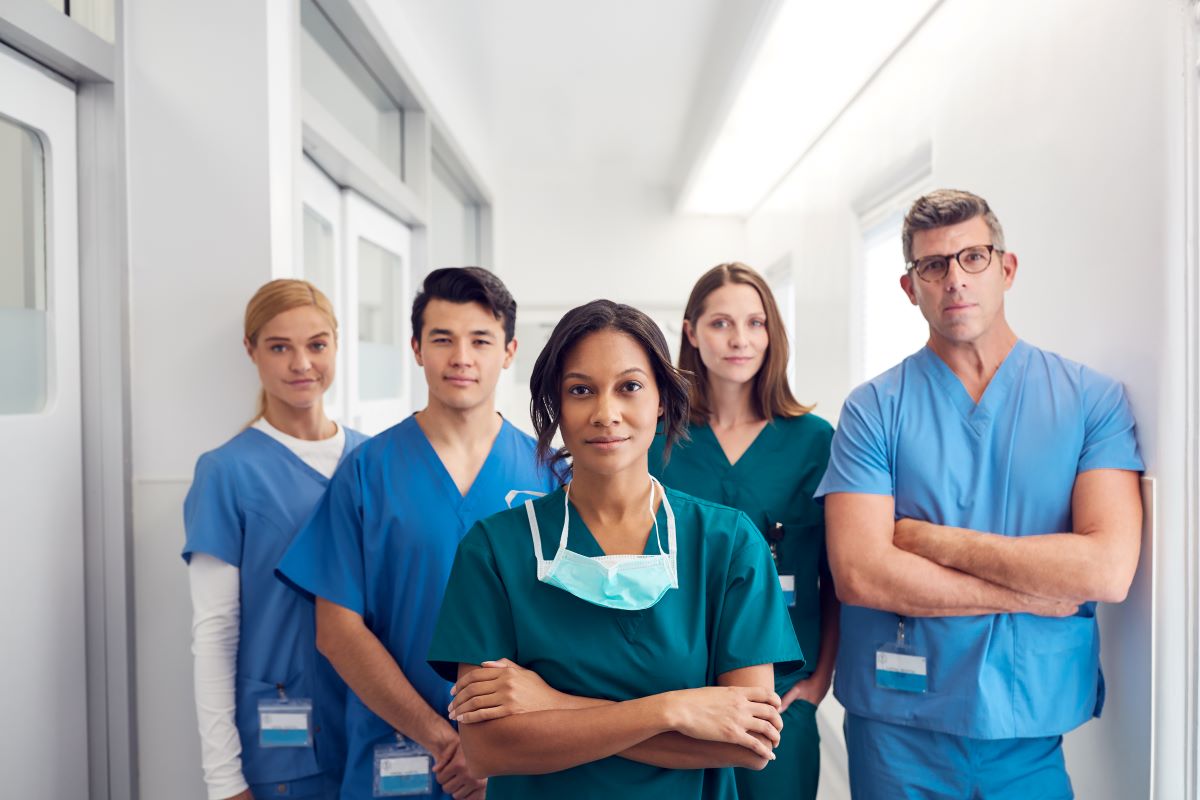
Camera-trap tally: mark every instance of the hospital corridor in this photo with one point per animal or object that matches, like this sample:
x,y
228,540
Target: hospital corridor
x,y
551,399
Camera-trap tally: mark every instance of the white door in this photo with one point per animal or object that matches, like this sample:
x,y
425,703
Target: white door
x,y
43,742
379,304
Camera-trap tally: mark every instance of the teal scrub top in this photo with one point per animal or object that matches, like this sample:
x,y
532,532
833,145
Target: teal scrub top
x,y
1006,465
726,614
773,482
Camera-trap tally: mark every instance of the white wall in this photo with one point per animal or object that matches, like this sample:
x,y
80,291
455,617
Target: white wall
x,y
1060,114
203,188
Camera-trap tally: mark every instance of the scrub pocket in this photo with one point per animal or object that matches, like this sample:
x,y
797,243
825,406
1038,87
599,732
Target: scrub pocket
x,y
268,764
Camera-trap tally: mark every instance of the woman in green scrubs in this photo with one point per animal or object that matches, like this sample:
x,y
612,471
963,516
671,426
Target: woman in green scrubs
x,y
754,447
613,637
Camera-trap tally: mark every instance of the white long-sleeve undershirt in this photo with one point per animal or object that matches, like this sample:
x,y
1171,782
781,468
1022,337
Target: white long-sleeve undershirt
x,y
216,614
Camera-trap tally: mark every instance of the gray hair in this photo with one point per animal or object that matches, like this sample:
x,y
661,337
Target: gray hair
x,y
944,207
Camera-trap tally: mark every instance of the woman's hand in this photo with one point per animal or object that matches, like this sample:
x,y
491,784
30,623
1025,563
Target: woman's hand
x,y
811,690
742,715
499,689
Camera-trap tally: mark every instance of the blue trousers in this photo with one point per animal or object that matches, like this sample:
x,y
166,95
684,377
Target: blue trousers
x,y
896,762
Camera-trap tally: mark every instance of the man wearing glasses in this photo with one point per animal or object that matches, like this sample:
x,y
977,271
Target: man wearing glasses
x,y
981,498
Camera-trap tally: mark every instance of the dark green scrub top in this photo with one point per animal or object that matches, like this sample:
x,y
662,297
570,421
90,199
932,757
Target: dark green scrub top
x,y
726,614
773,482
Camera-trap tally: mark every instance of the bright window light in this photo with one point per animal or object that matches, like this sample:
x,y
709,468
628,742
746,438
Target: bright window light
x,y
892,328
815,58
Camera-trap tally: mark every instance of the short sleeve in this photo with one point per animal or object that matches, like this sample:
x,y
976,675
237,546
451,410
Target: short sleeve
x,y
1109,440
858,457
326,557
475,623
754,627
213,519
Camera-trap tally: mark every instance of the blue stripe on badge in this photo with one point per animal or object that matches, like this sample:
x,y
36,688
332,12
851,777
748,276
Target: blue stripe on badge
x,y
901,681
283,737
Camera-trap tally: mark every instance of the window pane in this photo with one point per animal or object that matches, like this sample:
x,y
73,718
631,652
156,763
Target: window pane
x,y
893,328
455,240
334,75
23,320
319,266
381,339
98,16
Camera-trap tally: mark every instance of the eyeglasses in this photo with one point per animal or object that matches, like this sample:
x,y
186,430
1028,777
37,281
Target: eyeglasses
x,y
974,259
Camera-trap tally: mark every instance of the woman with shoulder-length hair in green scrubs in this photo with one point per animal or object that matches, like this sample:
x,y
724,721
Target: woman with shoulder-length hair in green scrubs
x,y
613,638
754,447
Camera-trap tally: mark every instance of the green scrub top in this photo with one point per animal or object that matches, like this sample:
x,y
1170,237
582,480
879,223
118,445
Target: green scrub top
x,y
726,614
773,482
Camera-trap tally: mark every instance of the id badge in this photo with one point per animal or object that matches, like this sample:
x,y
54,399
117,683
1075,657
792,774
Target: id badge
x,y
900,667
402,769
286,722
788,584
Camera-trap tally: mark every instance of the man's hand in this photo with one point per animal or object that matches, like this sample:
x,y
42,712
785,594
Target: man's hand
x,y
242,795
450,769
811,690
499,689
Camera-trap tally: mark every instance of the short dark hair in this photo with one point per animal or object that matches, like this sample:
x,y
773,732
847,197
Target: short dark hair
x,y
545,384
945,207
466,285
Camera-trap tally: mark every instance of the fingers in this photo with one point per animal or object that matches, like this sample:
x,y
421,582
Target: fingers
x,y
757,746
766,730
768,713
473,691
759,694
474,676
502,664
484,714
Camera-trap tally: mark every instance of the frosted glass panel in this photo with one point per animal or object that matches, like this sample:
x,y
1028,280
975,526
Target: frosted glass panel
x,y
23,355
455,240
381,325
320,268
333,74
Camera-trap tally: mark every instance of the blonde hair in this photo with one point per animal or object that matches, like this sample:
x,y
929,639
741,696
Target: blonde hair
x,y
271,300
772,394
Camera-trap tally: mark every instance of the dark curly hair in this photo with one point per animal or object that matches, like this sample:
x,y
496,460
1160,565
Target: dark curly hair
x,y
545,384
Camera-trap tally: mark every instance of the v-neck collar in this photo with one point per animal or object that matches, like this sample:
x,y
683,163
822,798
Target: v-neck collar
x,y
758,443
979,415
299,462
577,525
462,502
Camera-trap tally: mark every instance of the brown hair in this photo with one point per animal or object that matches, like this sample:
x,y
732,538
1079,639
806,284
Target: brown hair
x,y
545,383
945,207
772,394
271,300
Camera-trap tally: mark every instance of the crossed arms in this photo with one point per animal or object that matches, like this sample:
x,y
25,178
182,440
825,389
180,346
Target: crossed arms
x,y
920,569
511,722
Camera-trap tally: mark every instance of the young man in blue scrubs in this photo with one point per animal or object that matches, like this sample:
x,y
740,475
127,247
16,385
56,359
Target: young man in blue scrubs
x,y
378,550
981,498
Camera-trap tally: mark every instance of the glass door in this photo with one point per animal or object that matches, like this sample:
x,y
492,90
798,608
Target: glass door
x,y
41,492
379,301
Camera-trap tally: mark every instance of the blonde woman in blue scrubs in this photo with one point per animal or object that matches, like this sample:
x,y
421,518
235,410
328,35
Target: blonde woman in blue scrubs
x,y
752,446
613,638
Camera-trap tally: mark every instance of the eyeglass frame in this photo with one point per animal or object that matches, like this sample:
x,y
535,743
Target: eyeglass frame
x,y
991,248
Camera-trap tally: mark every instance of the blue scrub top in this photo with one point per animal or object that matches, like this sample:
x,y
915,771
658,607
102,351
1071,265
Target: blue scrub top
x,y
1005,466
727,613
381,544
247,500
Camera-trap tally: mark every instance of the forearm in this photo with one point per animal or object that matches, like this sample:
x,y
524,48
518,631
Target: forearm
x,y
1064,566
913,586
538,742
370,671
216,603
673,750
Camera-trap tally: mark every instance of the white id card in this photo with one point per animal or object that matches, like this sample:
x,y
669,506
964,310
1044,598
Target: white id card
x,y
788,584
285,722
402,769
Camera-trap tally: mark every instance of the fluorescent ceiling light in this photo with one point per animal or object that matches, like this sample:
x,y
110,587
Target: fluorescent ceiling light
x,y
814,59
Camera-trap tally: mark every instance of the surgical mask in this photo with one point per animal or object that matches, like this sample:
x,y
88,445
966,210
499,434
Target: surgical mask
x,y
623,582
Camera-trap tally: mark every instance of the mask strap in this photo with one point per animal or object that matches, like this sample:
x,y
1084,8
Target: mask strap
x,y
534,532
562,542
654,517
